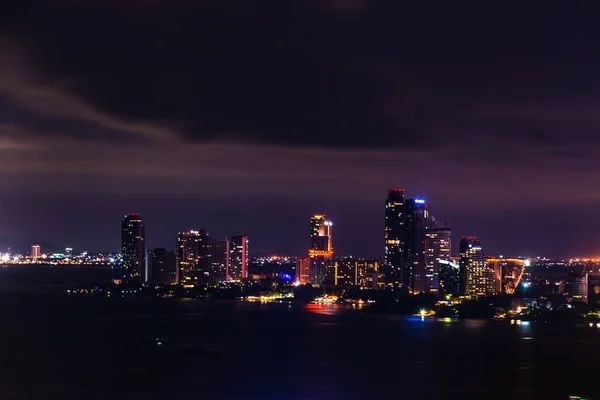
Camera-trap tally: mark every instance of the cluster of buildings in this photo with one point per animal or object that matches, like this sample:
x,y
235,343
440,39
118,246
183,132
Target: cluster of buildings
x,y
67,257
199,258
417,257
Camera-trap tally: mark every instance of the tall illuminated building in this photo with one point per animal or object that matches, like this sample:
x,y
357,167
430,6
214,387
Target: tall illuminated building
x,y
36,251
414,216
133,248
321,249
406,221
237,265
188,257
477,279
437,247
394,238
303,270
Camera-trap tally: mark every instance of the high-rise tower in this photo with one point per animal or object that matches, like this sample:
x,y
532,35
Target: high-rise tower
x,y
133,248
188,257
321,248
437,247
237,264
394,237
415,213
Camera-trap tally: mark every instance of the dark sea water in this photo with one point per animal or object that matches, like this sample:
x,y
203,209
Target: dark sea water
x,y
54,346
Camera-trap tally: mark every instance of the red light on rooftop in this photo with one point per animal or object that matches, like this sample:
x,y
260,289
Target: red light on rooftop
x,y
396,190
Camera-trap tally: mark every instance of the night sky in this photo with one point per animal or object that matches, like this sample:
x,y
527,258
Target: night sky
x,y
248,117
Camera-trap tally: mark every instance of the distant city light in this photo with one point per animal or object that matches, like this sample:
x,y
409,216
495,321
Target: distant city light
x,y
419,201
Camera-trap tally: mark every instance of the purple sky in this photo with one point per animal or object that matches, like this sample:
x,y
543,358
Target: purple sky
x,y
241,117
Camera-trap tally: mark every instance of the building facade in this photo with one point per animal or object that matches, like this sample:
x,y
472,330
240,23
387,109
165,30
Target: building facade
x,y
188,260
477,278
164,267
133,248
394,238
216,259
320,250
237,265
437,247
350,271
202,259
577,287
36,251
507,273
450,278
416,212
303,270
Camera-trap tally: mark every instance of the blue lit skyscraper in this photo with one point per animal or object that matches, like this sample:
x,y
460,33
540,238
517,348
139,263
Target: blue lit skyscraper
x,y
416,212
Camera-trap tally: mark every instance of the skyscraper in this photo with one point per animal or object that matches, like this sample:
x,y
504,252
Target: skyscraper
x,y
415,213
394,237
321,249
36,251
164,267
188,257
437,247
477,278
237,266
133,248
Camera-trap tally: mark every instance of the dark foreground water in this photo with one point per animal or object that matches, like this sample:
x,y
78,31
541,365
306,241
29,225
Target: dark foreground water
x,y
62,347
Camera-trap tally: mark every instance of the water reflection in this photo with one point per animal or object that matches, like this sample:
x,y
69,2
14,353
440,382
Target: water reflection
x,y
324,309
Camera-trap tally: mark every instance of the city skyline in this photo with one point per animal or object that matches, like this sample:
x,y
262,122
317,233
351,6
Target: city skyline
x,y
290,251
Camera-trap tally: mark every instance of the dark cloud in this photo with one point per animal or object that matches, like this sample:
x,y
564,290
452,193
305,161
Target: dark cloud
x,y
333,73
